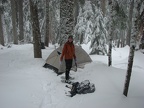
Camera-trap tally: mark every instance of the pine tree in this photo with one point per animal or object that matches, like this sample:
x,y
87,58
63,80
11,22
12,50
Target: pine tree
x,y
130,23
103,6
83,29
14,23
91,27
120,22
66,19
54,18
99,35
135,32
47,24
27,25
1,26
36,30
110,34
21,23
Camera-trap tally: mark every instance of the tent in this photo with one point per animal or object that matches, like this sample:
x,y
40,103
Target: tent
x,y
53,60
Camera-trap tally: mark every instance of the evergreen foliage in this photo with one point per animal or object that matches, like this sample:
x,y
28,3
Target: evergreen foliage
x,y
90,25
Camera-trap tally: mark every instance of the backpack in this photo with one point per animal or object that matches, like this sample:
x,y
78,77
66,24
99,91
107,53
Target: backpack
x,y
82,88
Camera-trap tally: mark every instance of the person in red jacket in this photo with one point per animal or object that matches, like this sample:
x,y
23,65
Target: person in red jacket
x,y
68,53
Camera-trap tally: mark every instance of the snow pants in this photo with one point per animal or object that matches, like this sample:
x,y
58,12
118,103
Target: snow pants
x,y
68,67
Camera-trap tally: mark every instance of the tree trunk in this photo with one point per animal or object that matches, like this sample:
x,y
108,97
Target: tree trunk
x,y
14,23
110,35
103,7
110,52
21,24
122,38
66,19
47,24
76,11
1,30
51,28
118,43
81,37
129,70
132,49
36,30
130,23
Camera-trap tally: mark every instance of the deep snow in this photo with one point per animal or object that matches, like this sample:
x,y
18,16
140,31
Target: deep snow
x,y
24,83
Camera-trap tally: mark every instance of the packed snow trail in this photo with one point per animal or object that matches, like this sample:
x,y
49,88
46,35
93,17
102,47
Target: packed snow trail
x,y
24,83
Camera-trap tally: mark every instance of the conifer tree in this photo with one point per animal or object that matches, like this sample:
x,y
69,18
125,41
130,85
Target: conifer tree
x,y
1,25
138,20
35,29
14,21
66,19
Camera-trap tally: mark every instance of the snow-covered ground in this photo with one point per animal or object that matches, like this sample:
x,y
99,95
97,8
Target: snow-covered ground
x,y
24,83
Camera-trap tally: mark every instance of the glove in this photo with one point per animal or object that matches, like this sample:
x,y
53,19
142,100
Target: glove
x,y
75,62
60,62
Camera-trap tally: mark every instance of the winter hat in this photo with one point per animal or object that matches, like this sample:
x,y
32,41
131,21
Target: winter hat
x,y
70,37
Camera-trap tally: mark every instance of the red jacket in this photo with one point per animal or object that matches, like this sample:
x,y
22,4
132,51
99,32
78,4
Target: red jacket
x,y
68,51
